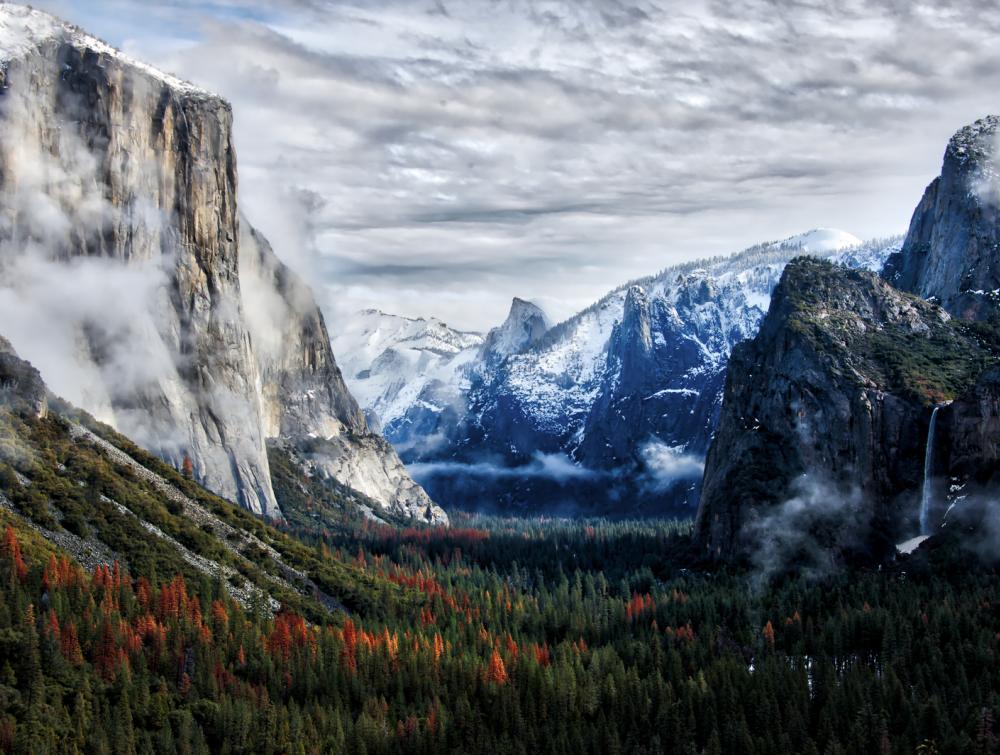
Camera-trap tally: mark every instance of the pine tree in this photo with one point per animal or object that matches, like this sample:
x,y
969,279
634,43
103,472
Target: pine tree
x,y
496,673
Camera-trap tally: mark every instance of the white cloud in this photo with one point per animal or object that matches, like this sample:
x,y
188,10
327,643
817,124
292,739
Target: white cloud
x,y
810,531
466,152
664,465
548,466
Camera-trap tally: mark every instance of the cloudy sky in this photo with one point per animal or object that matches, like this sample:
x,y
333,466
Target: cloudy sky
x,y
441,156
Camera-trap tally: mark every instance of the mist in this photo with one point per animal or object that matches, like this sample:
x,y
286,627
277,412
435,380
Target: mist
x,y
89,323
808,532
555,467
665,465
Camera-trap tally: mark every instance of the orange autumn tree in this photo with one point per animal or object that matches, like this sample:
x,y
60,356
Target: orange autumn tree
x,y
11,551
496,672
768,633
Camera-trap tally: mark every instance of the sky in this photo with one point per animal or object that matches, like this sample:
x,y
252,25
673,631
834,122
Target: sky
x,y
439,157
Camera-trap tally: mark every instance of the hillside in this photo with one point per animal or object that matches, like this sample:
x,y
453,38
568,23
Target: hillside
x,y
102,499
826,415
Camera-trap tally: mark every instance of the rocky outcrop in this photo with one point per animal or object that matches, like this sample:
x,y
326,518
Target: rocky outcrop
x,y
305,401
526,323
120,241
650,353
21,386
303,392
966,456
952,249
836,391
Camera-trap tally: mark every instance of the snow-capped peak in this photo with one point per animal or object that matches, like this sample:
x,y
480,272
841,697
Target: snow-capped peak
x,y
23,29
821,241
525,324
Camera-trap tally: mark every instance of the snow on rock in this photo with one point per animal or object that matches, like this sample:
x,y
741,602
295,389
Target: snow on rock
x,y
389,361
909,546
525,325
24,30
597,388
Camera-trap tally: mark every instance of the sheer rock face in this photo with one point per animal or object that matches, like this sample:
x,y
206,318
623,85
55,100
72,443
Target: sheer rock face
x,y
526,323
952,250
102,159
967,453
306,404
838,385
126,178
647,351
302,389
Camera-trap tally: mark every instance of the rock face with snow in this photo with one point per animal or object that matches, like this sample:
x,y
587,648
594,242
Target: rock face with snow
x,y
121,244
612,410
837,392
525,325
834,394
952,250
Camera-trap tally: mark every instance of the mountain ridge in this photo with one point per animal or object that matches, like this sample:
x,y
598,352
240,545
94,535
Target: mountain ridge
x,y
829,429
555,398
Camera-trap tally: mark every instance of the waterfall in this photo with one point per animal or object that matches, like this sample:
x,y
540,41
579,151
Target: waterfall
x,y
925,498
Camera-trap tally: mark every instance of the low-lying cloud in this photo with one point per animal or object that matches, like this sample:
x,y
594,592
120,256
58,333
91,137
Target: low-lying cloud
x,y
88,321
665,465
809,532
986,185
547,466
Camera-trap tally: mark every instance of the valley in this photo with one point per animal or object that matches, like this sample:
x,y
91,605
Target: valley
x,y
744,504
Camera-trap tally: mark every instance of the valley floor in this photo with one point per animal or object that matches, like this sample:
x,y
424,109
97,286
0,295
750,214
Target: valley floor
x,y
498,636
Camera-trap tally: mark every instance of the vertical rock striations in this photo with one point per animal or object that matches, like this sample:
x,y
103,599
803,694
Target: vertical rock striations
x,y
952,250
107,166
306,405
120,243
526,323
839,386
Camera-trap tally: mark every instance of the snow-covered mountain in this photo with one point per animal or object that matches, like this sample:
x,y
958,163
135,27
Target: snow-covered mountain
x,y
402,369
612,410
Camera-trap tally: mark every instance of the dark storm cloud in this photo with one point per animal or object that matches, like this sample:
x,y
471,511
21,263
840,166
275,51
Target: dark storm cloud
x,y
462,152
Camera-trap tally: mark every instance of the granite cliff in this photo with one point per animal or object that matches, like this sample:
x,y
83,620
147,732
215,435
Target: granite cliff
x,y
837,391
952,249
130,280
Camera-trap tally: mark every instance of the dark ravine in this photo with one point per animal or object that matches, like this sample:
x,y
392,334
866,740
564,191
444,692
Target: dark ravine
x,y
838,386
233,348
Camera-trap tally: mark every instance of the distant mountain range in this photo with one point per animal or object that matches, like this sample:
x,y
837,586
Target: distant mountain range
x,y
611,411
